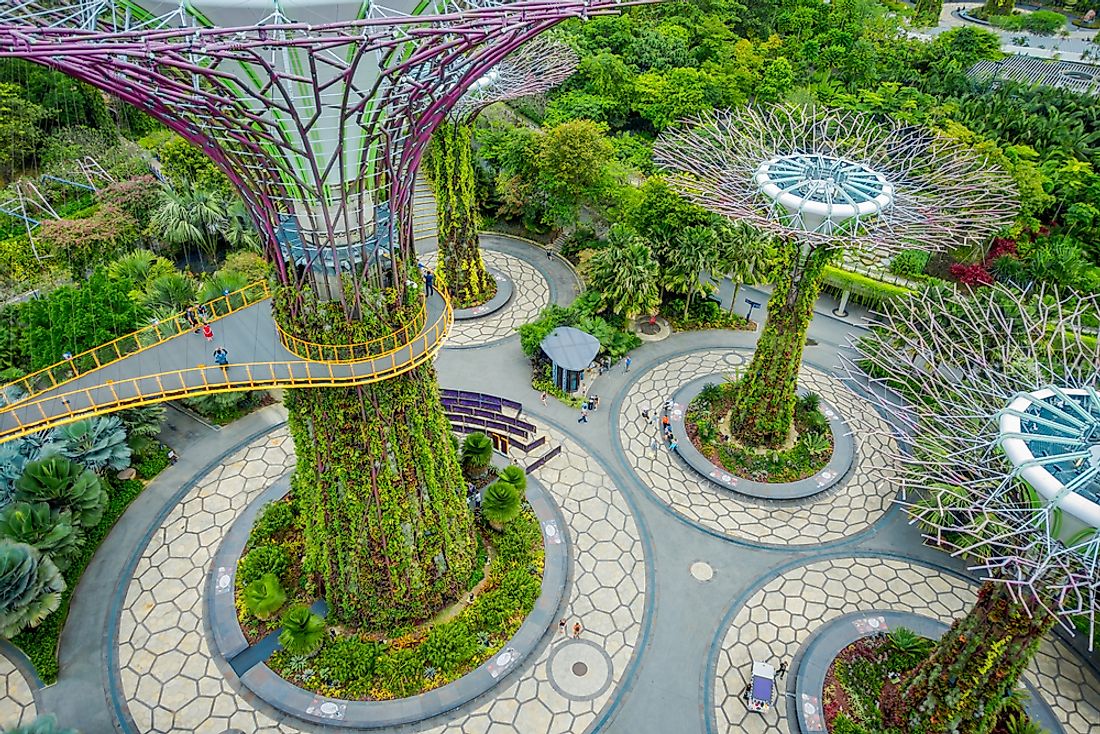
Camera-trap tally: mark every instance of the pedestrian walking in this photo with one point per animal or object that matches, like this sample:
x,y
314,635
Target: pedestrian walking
x,y
673,446
429,282
192,319
576,630
653,445
221,357
542,399
584,416
208,332
628,364
645,414
561,625
549,253
203,313
782,672
664,421
595,402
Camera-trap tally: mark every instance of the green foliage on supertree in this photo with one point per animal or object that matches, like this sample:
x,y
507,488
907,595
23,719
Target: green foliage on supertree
x,y
49,531
65,486
30,587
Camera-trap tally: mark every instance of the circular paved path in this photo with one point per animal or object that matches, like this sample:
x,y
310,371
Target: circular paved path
x,y
853,506
782,614
171,684
16,696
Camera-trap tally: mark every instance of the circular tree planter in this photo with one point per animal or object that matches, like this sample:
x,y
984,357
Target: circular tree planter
x,y
844,452
233,653
806,679
503,295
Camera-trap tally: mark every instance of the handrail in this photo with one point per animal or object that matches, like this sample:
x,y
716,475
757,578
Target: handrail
x,y
173,384
357,352
127,345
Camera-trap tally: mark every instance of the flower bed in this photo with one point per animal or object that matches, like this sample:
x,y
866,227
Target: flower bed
x,y
807,452
366,665
865,680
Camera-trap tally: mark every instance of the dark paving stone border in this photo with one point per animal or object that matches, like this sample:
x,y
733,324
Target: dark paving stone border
x,y
264,686
844,452
503,295
25,668
806,680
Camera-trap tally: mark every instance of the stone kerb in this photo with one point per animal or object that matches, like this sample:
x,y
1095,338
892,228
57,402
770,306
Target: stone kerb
x,y
844,452
810,665
263,684
494,304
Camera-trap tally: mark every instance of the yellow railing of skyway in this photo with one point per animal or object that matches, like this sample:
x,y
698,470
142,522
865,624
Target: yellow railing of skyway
x,y
158,332
348,353
57,410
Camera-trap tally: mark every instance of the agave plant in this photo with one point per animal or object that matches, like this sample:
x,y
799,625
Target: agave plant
x,y
97,443
303,631
42,725
264,596
30,587
500,504
49,531
477,454
64,485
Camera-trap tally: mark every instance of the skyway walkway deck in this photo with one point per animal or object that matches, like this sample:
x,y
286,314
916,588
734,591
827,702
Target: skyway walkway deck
x,y
184,367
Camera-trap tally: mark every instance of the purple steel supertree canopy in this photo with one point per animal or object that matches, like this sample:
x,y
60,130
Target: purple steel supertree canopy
x,y
318,111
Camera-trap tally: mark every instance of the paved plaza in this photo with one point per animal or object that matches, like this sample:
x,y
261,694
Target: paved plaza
x,y
678,584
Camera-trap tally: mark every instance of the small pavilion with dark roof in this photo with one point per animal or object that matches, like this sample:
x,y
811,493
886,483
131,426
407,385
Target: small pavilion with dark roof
x,y
570,351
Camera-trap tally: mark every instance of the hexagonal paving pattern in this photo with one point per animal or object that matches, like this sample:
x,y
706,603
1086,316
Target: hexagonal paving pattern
x,y
16,697
780,617
531,294
172,685
852,506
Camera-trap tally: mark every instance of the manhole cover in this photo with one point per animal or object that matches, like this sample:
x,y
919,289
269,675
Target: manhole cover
x,y
580,669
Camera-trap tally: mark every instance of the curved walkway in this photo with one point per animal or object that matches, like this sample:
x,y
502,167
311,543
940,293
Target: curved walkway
x,y
777,620
856,503
17,703
180,367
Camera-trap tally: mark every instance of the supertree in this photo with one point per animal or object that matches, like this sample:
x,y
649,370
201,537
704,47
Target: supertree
x,y
822,180
536,67
997,393
319,112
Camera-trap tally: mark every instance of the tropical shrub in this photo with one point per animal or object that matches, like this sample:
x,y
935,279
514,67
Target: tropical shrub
x,y
30,587
266,559
500,503
910,263
303,631
220,284
401,671
449,646
97,443
42,725
514,475
152,463
38,526
275,517
348,660
223,407
64,485
139,268
477,454
264,596
168,295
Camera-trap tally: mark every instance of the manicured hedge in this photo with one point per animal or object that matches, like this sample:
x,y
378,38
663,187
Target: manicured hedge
x,y
864,289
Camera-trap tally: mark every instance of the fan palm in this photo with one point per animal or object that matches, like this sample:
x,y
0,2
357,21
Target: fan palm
x,y
139,267
625,274
500,504
190,216
303,631
169,294
477,453
264,596
221,283
693,253
515,476
238,229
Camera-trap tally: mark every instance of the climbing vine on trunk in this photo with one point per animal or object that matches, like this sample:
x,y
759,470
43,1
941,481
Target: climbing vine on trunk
x,y
764,410
451,172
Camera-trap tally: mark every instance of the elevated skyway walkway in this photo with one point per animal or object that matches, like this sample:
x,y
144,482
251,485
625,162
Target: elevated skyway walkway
x,y
183,366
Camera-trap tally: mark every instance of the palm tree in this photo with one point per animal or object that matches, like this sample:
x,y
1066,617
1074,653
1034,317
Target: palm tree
x,y
238,229
221,283
139,267
746,256
190,216
694,252
477,453
170,294
625,274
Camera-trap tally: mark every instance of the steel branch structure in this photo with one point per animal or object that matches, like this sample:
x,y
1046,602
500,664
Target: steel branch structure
x,y
998,396
318,119
537,67
830,177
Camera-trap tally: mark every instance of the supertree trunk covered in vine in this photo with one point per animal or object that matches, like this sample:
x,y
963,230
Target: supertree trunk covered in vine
x,y
763,412
450,169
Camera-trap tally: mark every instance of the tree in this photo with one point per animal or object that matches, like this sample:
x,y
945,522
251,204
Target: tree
x,y
477,453
778,80
747,254
237,227
139,197
19,130
138,267
625,274
500,504
692,253
998,7
85,243
927,12
170,294
572,162
190,216
30,587
667,96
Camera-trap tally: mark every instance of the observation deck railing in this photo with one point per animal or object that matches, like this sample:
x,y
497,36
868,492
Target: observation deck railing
x,y
158,332
358,352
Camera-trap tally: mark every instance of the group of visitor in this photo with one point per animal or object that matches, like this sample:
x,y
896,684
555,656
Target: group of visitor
x,y
198,317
